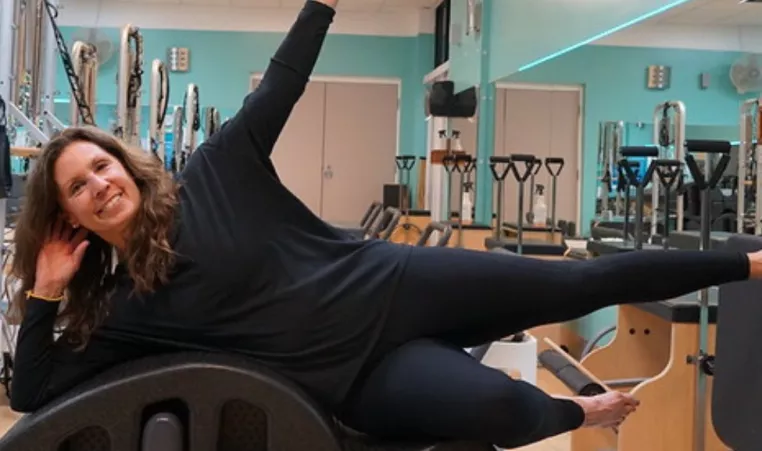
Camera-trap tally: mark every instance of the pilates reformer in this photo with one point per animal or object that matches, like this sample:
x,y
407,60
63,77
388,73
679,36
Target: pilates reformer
x,y
664,172
690,239
663,353
500,167
408,230
552,230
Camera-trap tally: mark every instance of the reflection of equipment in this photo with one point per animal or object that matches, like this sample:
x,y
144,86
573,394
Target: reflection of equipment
x,y
669,136
610,138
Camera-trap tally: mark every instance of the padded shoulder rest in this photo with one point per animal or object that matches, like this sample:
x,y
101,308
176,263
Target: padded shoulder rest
x,y
115,401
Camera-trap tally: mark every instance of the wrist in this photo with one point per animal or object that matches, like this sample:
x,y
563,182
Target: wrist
x,y
46,291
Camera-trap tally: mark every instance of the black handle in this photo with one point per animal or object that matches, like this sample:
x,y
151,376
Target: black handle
x,y
468,163
494,161
714,178
448,161
633,177
537,165
558,162
627,172
668,171
707,146
530,161
639,151
405,162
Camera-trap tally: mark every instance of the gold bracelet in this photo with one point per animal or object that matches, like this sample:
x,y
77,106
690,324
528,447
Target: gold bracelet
x,y
30,294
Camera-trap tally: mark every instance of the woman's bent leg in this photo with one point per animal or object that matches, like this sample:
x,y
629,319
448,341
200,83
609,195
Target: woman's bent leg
x,y
429,390
472,297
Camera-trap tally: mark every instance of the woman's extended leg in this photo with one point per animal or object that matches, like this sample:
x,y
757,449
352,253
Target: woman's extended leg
x,y
427,389
472,297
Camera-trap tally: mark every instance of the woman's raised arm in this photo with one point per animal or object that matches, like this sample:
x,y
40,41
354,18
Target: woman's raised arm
x,y
264,113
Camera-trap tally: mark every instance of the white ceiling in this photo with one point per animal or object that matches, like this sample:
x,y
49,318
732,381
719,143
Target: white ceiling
x,y
345,5
712,12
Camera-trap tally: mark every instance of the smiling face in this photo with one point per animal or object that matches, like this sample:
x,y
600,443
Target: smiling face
x,y
96,191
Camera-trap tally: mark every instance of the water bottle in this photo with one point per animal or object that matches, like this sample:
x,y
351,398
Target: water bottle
x,y
540,209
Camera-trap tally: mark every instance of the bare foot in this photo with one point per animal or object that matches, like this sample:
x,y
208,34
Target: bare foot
x,y
606,410
755,264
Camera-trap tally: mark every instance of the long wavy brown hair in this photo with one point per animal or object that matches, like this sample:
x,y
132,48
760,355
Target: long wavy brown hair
x,y
148,255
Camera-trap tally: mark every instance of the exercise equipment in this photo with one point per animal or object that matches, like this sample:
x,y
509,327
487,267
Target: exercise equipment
x,y
748,188
212,121
464,165
157,401
85,65
129,81
408,231
158,103
704,182
362,229
186,122
384,227
500,166
610,139
545,230
631,179
669,137
666,350
444,231
737,392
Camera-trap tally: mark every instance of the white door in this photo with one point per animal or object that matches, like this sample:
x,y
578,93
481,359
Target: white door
x,y
542,123
360,147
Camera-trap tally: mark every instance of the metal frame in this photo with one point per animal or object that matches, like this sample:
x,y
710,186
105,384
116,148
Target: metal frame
x,y
749,159
130,70
678,129
158,102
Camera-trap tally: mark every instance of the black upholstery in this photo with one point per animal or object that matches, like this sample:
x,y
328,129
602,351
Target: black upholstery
x,y
225,403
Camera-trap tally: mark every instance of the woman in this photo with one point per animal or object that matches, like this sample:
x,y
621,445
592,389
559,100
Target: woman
x,y
230,261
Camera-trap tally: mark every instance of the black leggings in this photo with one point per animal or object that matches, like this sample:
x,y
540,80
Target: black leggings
x,y
420,384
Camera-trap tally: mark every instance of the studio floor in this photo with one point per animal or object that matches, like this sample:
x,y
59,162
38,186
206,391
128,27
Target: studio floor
x,y
545,381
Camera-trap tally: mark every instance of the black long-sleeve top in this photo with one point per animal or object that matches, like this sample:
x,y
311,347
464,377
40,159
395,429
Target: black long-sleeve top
x,y
258,273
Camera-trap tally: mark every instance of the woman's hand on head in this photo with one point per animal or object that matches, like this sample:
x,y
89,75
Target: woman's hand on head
x,y
59,259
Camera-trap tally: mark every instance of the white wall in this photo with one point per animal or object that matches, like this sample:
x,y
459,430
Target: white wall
x,y
703,37
110,13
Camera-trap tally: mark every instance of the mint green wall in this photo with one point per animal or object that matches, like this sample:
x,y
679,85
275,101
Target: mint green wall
x,y
466,51
221,63
614,84
520,41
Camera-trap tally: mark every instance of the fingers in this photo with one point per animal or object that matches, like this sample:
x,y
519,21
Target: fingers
x,y
79,252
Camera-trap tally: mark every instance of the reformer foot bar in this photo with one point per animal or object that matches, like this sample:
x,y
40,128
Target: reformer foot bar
x,y
663,353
